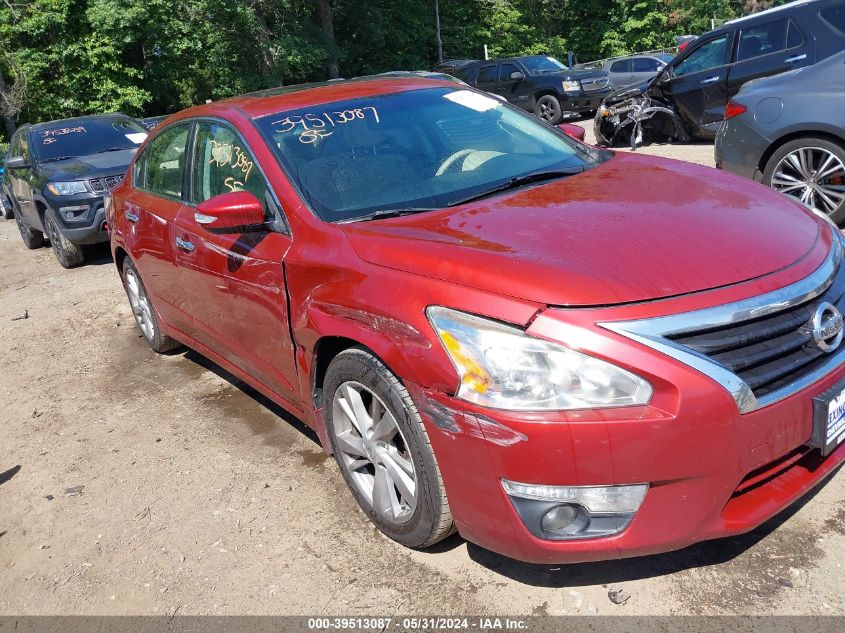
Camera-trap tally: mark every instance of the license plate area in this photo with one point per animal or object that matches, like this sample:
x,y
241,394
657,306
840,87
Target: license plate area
x,y
829,419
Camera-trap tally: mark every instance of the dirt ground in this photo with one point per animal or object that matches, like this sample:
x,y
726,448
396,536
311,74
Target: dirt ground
x,y
198,497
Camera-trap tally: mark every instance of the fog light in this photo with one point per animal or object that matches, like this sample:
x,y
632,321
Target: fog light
x,y
575,512
559,518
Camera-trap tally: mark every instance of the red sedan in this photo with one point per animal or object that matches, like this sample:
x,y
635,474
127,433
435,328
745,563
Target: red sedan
x,y
562,352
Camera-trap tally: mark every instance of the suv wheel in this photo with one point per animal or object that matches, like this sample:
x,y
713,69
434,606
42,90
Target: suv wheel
x,y
31,238
68,253
548,109
383,450
142,309
812,170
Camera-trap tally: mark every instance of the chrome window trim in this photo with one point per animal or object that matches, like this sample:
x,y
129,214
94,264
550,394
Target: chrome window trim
x,y
652,332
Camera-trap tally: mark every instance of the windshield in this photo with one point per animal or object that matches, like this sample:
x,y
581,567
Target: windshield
x,y
541,65
427,148
84,137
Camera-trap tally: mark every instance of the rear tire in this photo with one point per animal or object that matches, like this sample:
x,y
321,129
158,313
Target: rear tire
x,y
32,238
811,170
143,311
547,108
68,253
383,450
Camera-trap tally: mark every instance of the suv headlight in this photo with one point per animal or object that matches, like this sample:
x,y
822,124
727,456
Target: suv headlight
x,y
571,86
501,367
67,188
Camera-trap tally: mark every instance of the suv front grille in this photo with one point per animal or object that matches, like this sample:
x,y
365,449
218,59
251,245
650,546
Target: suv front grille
x,y
593,84
107,183
770,352
762,349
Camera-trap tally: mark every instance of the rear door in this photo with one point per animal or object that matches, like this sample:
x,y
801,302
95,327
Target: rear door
x,y
148,212
488,77
698,83
235,282
619,73
768,49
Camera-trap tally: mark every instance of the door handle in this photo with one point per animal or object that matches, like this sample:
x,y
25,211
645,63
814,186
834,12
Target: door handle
x,y
132,216
185,245
709,80
795,58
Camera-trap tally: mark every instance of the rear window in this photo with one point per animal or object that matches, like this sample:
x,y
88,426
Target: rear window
x,y
85,137
623,66
762,40
646,65
835,17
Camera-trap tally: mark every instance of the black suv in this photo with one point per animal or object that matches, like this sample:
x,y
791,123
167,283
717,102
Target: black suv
x,y
57,174
537,83
695,87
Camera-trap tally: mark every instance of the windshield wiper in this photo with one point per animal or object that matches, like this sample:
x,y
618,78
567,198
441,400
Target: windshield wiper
x,y
387,213
116,149
519,181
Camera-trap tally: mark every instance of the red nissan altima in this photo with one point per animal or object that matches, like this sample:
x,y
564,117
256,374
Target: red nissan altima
x,y
561,352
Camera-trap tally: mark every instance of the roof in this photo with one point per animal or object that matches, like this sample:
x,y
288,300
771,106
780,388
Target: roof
x,y
78,120
264,102
768,12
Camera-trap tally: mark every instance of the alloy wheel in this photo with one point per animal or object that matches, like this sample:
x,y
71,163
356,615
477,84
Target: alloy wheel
x,y
374,452
814,175
140,304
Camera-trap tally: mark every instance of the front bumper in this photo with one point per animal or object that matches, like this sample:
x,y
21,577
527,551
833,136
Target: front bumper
x,y
87,225
712,471
582,101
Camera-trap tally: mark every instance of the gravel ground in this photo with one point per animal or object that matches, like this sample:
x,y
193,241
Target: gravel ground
x,y
199,497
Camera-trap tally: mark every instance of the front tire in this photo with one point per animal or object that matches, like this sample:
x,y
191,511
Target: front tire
x,y
8,212
813,171
32,238
547,108
142,309
68,253
383,451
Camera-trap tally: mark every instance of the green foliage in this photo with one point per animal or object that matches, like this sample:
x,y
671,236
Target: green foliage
x,y
150,57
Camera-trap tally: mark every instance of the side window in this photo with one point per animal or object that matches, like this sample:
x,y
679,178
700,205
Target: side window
x,y
223,164
14,146
505,71
646,65
622,66
23,146
762,40
794,38
163,162
835,17
707,56
487,75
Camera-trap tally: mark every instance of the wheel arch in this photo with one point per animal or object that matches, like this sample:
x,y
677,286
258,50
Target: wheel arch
x,y
793,136
120,255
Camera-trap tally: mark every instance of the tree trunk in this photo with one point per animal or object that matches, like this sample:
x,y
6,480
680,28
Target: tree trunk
x,y
8,119
437,32
325,10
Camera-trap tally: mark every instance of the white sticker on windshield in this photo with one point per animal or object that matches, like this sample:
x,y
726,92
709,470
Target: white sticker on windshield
x,y
137,137
472,100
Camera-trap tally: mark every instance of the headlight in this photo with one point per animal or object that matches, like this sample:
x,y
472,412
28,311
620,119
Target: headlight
x,y
501,367
571,86
67,188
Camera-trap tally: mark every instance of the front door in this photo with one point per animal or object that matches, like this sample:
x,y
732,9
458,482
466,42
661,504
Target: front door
x,y
698,84
235,282
20,180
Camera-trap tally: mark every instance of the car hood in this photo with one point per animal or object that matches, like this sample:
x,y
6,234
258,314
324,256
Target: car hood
x,y
632,229
85,167
631,90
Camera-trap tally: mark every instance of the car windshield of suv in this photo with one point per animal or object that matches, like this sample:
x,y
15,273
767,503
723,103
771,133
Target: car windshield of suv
x,y
542,65
415,150
84,137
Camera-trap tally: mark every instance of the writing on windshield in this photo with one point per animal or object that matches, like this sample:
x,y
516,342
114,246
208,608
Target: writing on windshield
x,y
312,127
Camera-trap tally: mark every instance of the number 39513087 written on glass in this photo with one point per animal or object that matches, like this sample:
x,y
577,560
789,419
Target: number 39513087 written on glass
x,y
315,126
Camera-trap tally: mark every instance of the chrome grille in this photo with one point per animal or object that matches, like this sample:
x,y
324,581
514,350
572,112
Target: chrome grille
x,y
761,349
107,183
593,84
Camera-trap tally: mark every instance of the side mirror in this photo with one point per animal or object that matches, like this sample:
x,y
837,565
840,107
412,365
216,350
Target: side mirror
x,y
18,162
517,75
575,131
230,212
